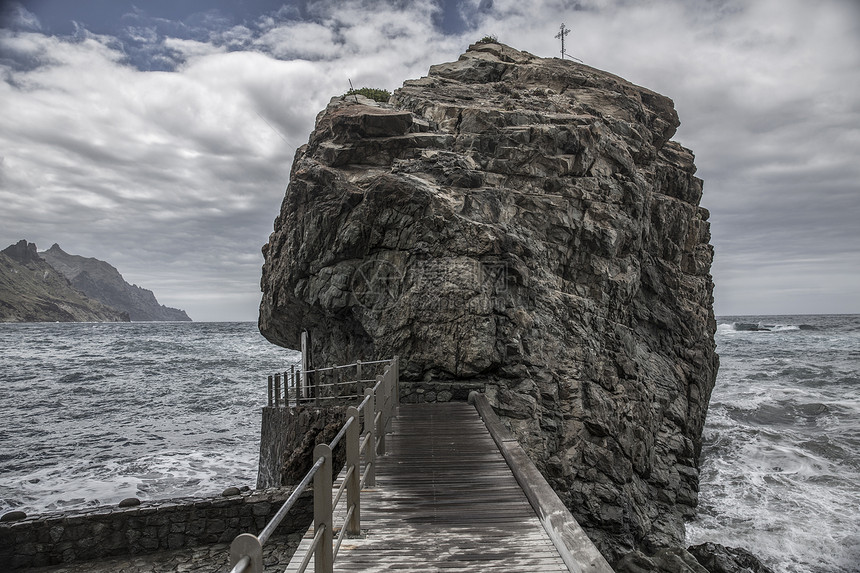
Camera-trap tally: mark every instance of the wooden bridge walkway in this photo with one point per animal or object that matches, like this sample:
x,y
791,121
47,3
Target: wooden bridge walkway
x,y
444,500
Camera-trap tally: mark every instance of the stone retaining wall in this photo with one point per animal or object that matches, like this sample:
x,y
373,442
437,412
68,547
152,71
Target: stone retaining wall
x,y
275,445
51,539
418,392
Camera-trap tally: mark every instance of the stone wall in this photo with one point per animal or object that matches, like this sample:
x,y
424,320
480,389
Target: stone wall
x,y
274,445
421,391
56,538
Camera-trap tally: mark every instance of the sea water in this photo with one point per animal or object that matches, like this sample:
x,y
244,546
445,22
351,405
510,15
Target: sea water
x,y
780,465
92,413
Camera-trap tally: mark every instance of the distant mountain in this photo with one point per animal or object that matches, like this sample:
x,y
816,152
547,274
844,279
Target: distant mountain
x,y
100,280
31,290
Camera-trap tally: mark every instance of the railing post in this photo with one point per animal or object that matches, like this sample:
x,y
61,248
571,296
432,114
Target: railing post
x,y
247,545
291,377
358,376
389,394
323,558
396,365
335,388
286,389
306,364
353,460
270,391
277,389
381,406
370,428
316,381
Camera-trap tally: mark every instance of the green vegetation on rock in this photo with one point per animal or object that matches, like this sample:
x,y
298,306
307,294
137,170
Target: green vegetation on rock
x,y
375,94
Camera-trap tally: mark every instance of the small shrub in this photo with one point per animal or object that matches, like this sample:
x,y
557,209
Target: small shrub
x,y
488,40
375,94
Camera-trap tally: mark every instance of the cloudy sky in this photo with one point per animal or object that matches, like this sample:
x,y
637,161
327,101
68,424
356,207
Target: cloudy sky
x,y
158,135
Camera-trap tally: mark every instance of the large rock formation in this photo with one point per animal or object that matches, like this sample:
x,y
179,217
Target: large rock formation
x,y
31,290
101,281
525,226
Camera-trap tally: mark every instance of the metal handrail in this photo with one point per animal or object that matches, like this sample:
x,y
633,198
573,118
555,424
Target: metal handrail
x,y
340,434
343,531
363,363
312,550
342,487
340,397
279,516
306,388
241,565
363,403
376,409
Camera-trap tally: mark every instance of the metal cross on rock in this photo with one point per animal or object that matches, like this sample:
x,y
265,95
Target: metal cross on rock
x,y
562,32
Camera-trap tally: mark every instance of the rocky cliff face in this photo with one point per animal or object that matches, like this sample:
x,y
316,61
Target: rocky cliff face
x,y
101,281
525,226
31,290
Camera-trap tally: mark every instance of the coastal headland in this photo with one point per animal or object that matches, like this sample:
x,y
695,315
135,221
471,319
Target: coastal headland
x,y
527,227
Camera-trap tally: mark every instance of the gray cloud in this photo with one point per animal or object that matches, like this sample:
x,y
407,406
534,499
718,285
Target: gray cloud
x,y
765,92
176,176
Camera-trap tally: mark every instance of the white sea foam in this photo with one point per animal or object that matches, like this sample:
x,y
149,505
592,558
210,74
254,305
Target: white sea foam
x,y
779,469
95,413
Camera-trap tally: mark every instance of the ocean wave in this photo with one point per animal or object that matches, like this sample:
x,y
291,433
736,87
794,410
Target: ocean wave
x,y
145,410
756,489
780,463
764,327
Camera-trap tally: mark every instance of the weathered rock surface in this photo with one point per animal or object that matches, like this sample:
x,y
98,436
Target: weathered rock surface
x,y
288,438
665,560
703,558
31,290
525,225
101,281
716,558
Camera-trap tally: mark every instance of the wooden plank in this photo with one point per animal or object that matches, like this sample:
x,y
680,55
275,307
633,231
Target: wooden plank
x,y
445,500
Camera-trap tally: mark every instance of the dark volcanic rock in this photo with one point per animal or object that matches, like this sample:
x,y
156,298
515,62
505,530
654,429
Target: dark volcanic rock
x,y
310,427
101,281
666,560
31,290
526,226
716,558
22,252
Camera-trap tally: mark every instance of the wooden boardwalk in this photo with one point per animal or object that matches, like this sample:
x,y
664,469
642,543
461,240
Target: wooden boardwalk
x,y
445,500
